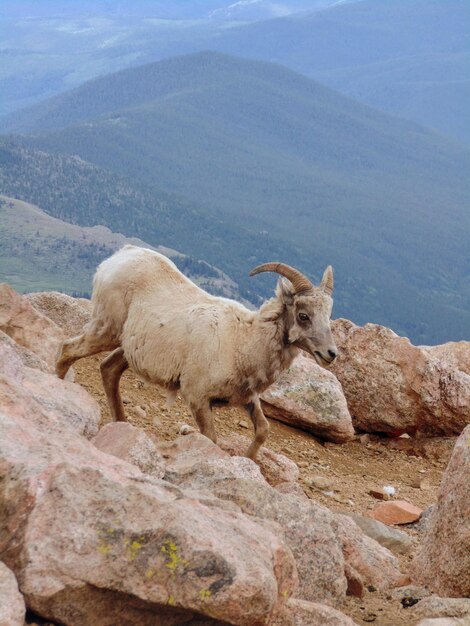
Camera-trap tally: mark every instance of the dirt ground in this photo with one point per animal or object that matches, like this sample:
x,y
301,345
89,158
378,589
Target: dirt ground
x,y
354,468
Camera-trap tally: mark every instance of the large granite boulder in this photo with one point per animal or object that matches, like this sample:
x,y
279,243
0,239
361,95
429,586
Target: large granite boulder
x,y
394,387
27,389
443,560
309,397
28,327
12,608
71,314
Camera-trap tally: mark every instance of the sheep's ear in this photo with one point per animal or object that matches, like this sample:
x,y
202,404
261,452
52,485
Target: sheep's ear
x,y
285,291
327,282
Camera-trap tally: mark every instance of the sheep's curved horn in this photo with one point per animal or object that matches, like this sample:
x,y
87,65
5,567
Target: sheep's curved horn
x,y
298,280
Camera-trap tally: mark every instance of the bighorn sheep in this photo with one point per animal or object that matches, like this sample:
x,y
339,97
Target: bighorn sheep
x,y
210,349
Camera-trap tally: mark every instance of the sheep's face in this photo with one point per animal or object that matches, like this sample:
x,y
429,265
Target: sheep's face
x,y
308,321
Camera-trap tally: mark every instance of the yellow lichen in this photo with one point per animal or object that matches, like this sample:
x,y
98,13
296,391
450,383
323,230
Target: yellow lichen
x,y
170,549
104,548
133,548
149,573
205,594
171,601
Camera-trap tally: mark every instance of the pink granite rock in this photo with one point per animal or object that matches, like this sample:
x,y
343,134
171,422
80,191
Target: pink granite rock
x,y
454,353
131,444
395,512
276,468
443,559
327,550
29,328
92,540
435,606
301,613
392,386
310,397
33,393
71,314
305,526
368,561
12,608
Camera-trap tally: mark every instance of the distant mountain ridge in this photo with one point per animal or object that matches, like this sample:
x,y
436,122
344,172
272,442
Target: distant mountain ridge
x,y
279,158
39,252
408,57
79,193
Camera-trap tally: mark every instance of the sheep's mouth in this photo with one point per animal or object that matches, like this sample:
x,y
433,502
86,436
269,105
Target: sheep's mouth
x,y
321,360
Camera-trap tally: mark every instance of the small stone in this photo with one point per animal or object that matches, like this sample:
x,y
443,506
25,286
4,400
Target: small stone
x,y
395,512
379,494
139,412
126,400
395,540
322,483
243,424
303,464
186,429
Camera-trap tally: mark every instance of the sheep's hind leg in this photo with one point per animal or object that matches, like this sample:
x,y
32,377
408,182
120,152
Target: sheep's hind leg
x,y
203,417
78,347
261,426
112,368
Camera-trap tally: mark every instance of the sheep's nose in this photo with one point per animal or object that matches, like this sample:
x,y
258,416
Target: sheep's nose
x,y
332,354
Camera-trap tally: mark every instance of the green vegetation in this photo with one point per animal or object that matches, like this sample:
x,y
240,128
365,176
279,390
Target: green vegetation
x,y
275,167
40,253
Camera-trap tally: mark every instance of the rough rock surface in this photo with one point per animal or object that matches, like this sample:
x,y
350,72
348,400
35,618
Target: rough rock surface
x,y
434,606
455,353
395,512
91,539
71,314
131,444
28,358
368,562
310,397
426,447
29,328
324,549
305,526
302,613
395,540
392,386
33,393
276,468
443,560
12,608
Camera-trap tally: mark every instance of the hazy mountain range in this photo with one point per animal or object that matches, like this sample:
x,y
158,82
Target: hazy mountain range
x,y
408,57
292,168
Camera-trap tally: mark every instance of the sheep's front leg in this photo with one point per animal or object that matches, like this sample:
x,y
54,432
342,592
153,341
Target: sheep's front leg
x,y
112,368
203,416
261,426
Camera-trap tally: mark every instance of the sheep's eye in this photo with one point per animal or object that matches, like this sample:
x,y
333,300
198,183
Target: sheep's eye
x,y
303,317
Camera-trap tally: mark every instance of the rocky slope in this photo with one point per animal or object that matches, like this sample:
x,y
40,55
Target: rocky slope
x,y
137,523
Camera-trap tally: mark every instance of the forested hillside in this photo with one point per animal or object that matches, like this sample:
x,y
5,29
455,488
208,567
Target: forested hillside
x,y
280,158
39,252
80,193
